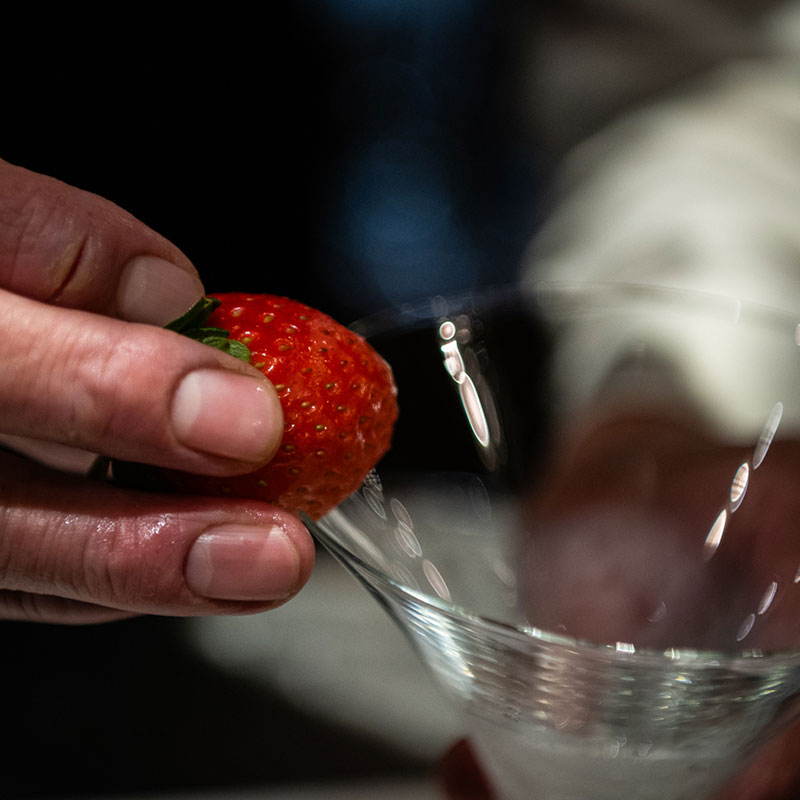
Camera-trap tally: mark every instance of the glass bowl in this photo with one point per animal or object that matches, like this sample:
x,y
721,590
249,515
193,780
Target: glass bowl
x,y
585,527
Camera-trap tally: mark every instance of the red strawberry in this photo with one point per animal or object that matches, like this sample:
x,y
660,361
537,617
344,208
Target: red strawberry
x,y
338,398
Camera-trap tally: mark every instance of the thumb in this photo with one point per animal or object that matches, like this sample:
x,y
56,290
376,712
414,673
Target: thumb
x,y
67,545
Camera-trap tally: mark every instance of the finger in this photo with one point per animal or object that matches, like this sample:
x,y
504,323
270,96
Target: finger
x,y
61,245
134,392
28,607
97,544
460,775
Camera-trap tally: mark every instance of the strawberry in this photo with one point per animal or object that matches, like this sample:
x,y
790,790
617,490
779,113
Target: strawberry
x,y
338,398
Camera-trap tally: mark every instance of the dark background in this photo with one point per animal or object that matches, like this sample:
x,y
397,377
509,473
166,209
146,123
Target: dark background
x,y
349,154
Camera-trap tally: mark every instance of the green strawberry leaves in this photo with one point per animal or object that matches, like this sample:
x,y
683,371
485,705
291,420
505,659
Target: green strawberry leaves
x,y
193,325
195,317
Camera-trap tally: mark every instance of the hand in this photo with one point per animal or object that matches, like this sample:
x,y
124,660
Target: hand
x,y
81,376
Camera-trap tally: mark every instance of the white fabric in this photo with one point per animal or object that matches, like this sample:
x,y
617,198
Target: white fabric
x,y
698,188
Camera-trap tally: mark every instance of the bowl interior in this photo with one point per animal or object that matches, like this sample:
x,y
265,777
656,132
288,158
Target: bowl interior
x,y
604,464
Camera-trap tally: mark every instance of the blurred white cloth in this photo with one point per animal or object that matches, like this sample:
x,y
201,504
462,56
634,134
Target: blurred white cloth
x,y
685,169
696,187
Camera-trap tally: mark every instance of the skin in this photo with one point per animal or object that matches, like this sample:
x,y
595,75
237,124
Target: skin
x,y
84,289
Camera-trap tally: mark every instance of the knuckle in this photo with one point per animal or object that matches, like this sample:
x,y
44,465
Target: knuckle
x,y
68,555
115,393
45,238
126,566
98,546
139,418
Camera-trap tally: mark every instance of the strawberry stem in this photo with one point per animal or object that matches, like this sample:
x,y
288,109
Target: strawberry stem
x,y
193,325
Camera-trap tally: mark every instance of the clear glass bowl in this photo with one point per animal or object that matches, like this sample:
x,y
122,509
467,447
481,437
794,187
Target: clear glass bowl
x,y
585,527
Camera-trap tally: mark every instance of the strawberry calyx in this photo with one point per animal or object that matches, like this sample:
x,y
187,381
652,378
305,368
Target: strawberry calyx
x,y
193,325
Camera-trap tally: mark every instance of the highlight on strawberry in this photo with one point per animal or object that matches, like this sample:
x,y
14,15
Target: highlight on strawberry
x,y
338,396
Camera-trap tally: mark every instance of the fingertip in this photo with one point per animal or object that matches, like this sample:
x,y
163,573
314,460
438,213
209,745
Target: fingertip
x,y
228,414
156,291
302,540
247,563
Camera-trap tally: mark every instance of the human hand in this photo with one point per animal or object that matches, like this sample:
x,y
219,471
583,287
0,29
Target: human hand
x,y
80,376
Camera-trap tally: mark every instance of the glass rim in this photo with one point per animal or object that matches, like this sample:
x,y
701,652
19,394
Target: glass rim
x,y
619,651
546,294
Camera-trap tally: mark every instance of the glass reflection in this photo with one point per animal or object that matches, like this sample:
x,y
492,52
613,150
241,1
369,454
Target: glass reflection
x,y
768,434
768,597
474,391
715,534
746,627
739,485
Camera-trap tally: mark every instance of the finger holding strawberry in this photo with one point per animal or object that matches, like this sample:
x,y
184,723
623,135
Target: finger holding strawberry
x,y
337,395
78,277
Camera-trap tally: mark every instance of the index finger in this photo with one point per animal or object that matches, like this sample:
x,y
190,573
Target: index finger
x,y
70,247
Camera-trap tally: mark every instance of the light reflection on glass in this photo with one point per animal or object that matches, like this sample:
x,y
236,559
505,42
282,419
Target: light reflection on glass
x,y
739,485
660,612
767,598
403,575
715,534
401,513
768,434
454,337
375,501
616,746
746,627
447,330
453,362
503,571
474,410
407,541
479,498
435,579
644,749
